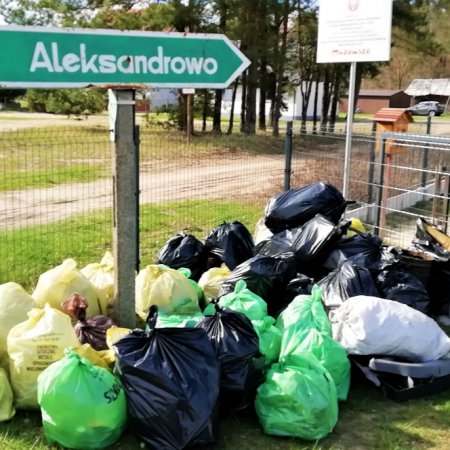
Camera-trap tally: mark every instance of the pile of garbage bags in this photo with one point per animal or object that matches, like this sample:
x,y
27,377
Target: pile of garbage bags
x,y
226,323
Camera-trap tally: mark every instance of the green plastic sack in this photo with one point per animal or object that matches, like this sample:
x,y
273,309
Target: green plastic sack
x,y
198,290
297,399
269,338
177,321
166,288
83,406
242,300
6,398
329,353
306,311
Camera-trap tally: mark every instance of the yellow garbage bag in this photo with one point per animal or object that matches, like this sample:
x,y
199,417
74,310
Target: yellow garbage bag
x,y
15,304
356,226
101,275
211,281
6,398
32,346
101,358
166,288
55,285
115,334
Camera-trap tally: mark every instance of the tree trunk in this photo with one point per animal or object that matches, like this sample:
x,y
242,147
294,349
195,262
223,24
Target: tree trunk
x,y
243,99
280,70
217,115
263,96
205,110
316,99
250,115
325,100
335,98
233,101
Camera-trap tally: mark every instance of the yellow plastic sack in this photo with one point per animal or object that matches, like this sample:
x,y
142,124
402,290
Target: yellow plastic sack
x,y
356,226
101,358
32,346
115,334
55,285
211,281
15,305
167,288
101,275
6,398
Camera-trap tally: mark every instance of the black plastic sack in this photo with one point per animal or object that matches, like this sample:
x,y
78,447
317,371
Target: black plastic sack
x,y
184,250
348,281
439,288
293,208
366,248
278,243
229,243
395,282
266,276
171,380
237,347
300,285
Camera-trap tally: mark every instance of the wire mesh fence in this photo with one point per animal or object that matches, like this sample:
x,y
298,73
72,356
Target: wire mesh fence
x,y
56,187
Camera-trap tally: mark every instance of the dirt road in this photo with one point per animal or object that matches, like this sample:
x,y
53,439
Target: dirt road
x,y
214,179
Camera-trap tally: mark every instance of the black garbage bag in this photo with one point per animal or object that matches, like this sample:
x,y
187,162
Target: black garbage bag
x,y
237,347
184,250
293,208
300,285
230,243
365,246
278,243
171,380
439,288
266,276
395,282
347,281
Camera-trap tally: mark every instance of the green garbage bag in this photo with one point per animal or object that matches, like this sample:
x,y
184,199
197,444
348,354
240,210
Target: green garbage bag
x,y
269,338
329,352
198,290
297,399
306,311
177,320
242,300
83,406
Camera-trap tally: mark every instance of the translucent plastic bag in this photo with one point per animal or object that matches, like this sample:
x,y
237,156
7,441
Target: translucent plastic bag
x,y
306,311
55,285
94,417
15,304
242,300
269,338
32,346
166,288
101,275
7,410
211,281
328,352
298,399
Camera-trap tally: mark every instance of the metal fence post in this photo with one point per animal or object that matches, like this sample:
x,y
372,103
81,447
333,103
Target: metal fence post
x,y
122,118
425,156
137,142
379,196
288,156
371,164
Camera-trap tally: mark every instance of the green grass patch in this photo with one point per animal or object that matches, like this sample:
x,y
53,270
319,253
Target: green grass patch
x,y
28,252
51,176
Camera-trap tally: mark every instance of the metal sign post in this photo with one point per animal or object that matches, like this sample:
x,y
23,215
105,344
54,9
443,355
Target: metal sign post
x,y
352,31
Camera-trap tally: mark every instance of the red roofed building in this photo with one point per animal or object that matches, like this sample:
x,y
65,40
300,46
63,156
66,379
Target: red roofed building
x,y
372,100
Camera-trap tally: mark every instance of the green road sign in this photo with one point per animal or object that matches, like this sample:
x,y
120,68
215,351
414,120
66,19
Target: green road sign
x,y
59,57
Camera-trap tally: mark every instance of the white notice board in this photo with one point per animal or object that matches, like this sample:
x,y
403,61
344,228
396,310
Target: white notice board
x,y
354,31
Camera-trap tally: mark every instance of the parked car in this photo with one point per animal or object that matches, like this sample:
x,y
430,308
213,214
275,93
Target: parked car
x,y
427,109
